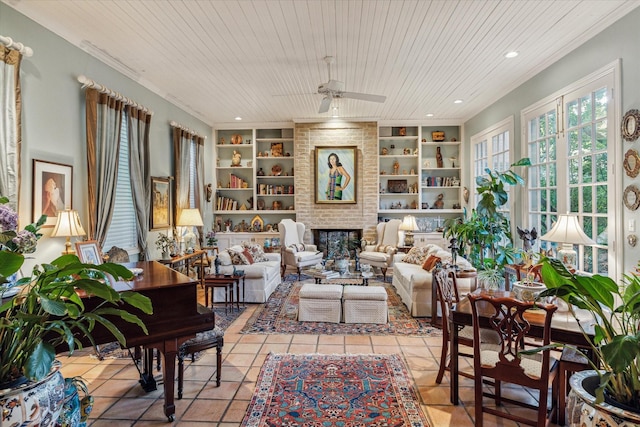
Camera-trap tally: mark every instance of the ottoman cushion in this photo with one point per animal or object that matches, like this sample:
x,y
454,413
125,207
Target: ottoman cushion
x,y
375,293
313,291
320,303
365,304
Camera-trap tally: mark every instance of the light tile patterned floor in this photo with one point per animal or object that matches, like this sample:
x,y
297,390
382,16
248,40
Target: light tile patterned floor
x,y
120,401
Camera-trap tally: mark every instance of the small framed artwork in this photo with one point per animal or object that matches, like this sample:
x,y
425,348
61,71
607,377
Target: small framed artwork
x,y
397,186
89,252
52,189
160,203
336,174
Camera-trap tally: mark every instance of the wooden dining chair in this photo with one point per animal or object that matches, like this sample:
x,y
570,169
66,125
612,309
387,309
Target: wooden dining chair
x,y
444,279
504,363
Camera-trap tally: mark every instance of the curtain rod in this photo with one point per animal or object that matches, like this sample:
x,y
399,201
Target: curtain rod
x,y
88,83
8,42
184,128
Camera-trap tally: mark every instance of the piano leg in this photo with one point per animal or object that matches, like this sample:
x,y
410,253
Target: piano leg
x,y
147,380
169,354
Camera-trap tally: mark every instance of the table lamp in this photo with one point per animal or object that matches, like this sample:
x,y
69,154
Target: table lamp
x,y
67,225
190,218
568,231
408,225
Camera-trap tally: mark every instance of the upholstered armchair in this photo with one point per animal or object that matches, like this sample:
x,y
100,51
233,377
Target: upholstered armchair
x,y
381,253
295,252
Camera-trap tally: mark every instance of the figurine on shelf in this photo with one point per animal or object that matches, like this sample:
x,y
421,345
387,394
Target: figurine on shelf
x,y
384,151
396,167
236,158
439,157
208,191
439,203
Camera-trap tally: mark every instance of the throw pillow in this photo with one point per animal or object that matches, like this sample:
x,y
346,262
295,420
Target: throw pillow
x,y
430,263
225,258
416,255
297,247
238,257
247,254
257,252
383,248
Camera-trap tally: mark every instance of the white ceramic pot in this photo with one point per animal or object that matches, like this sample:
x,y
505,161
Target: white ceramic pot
x,y
527,291
583,411
34,403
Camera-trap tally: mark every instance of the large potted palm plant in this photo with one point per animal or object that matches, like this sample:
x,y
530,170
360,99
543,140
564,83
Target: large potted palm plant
x,y
614,314
47,314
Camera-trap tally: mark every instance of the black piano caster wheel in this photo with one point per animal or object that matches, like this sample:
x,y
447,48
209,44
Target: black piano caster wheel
x,y
171,418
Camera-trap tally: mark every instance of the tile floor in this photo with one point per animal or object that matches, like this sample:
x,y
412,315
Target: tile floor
x,y
120,401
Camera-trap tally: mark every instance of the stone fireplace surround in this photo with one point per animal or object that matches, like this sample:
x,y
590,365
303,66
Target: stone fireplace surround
x,y
362,215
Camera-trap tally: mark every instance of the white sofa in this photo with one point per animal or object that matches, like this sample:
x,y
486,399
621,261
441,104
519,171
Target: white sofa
x,y
413,283
261,278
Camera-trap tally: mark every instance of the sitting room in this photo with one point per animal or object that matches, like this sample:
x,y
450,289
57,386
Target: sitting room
x,y
300,226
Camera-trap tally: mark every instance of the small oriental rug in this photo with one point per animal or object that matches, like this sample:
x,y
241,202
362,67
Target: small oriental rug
x,y
279,315
334,391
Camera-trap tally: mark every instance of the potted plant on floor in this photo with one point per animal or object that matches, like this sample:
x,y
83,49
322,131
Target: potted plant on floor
x,y
46,313
614,313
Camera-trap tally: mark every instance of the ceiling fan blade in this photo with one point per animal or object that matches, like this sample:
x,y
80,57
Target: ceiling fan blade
x,y
324,105
364,96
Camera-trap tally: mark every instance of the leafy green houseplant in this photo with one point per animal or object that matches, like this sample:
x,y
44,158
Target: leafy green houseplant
x,y
485,235
48,311
165,244
616,317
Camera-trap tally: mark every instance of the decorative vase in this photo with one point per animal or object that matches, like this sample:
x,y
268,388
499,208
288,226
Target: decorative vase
x,y
582,409
34,403
342,265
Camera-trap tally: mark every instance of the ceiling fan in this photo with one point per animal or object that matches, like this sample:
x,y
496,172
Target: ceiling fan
x,y
335,89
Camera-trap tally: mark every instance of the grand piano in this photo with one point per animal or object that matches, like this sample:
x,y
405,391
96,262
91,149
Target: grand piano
x,y
175,318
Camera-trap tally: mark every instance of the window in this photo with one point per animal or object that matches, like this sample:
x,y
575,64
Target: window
x,y
491,150
122,230
570,142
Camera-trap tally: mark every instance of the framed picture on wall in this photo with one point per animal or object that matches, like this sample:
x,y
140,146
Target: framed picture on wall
x,y
88,252
336,174
52,189
160,203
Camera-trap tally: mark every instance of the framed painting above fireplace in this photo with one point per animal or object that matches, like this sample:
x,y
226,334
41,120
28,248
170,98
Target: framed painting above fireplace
x,y
336,174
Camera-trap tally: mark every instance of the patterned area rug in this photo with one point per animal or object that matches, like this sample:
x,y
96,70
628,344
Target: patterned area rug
x,y
113,351
334,391
279,316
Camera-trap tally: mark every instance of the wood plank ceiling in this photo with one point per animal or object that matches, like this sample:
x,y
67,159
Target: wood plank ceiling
x,y
263,59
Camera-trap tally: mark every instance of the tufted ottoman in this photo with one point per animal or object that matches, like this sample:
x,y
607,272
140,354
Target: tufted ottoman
x,y
320,303
365,304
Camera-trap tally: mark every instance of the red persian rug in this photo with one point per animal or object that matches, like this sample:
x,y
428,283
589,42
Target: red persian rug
x,y
334,391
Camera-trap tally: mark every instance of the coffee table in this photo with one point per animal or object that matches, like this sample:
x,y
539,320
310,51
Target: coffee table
x,y
350,278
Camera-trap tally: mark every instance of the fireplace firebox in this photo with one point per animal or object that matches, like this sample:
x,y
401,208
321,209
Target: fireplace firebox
x,y
331,241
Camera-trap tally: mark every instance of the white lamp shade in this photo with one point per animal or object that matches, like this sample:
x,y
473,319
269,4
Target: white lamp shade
x,y
409,223
190,217
68,224
567,230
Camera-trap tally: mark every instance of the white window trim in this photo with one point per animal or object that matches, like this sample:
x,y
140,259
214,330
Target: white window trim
x,y
614,68
505,125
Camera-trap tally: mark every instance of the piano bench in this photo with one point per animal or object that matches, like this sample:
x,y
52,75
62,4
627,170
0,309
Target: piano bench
x,y
203,341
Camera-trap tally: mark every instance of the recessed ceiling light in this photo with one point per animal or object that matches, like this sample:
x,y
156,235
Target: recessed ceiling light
x,y
334,112
238,118
458,101
511,54
429,114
